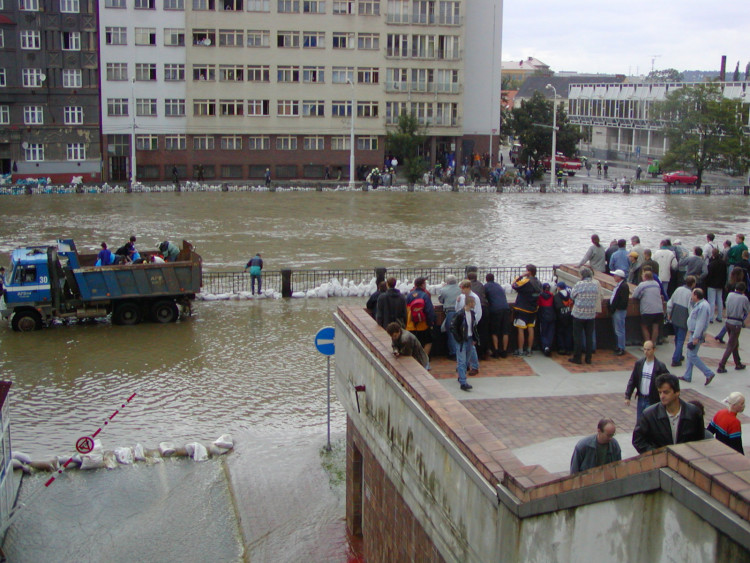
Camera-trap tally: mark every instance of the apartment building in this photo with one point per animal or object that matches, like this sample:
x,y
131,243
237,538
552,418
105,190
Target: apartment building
x,y
223,89
49,90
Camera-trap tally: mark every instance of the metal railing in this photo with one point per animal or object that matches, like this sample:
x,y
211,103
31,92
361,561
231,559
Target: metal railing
x,y
304,280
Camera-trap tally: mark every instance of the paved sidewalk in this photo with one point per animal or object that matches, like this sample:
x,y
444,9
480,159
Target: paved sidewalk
x,y
541,406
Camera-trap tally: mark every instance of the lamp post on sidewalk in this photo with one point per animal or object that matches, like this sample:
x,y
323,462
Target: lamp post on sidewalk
x,y
352,178
553,178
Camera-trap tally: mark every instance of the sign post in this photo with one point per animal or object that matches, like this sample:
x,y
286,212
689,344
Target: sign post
x,y
324,342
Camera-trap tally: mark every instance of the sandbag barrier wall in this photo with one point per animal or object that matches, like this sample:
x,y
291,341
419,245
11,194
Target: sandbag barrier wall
x,y
288,281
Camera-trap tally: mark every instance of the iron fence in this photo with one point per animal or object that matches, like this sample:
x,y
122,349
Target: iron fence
x,y
304,280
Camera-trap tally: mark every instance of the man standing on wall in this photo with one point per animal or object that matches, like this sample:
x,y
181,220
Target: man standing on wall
x,y
255,265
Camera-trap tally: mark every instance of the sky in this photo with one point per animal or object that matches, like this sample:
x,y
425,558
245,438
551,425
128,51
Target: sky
x,y
625,37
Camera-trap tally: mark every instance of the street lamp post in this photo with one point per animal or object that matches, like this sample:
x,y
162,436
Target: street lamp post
x,y
553,178
351,139
132,136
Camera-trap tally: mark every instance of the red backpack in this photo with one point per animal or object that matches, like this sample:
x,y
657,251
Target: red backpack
x,y
416,311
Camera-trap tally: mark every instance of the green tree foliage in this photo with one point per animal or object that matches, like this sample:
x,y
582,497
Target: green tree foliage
x,y
704,130
527,123
665,75
405,144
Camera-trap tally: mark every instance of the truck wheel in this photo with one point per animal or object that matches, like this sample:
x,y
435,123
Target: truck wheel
x,y
127,314
165,312
26,321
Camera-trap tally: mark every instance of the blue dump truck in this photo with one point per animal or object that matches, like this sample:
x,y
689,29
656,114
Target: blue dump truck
x,y
55,282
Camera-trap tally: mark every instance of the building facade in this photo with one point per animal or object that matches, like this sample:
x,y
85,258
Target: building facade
x,y
223,89
49,89
617,120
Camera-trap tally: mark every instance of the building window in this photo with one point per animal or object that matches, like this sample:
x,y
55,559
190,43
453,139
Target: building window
x,y
33,115
423,46
287,108
313,143
369,41
287,74
367,109
31,39
393,110
313,74
341,109
72,78
145,107
287,39
259,143
174,4
258,5
258,107
71,41
231,38
34,152
31,77
313,39
450,13
204,72
231,107
117,107
3,78
342,40
397,45
232,5
258,73
313,108
340,143
147,142
4,115
446,114
174,72
287,6
314,6
369,7
145,71
116,35
231,142
203,143
258,38
447,81
340,74
29,6
231,171
69,6
204,37
174,37
174,107
175,142
115,4
204,5
145,4
367,143
447,47
366,75
286,143
145,36
422,111
343,6
231,73
76,151
73,115
204,107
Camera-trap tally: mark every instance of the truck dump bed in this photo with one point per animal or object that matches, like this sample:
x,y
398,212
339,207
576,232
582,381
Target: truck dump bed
x,y
182,277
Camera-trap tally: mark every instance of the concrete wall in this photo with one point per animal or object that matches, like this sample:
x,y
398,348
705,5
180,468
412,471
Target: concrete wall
x,y
412,476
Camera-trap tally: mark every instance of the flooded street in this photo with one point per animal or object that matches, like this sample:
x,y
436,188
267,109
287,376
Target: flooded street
x,y
249,368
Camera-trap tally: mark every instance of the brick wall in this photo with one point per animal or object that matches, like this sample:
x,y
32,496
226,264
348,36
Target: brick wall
x,y
389,529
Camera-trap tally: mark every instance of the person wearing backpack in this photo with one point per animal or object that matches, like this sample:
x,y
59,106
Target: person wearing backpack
x,y
564,322
464,330
420,314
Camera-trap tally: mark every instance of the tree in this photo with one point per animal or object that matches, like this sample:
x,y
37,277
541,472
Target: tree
x,y
704,130
665,75
405,143
532,125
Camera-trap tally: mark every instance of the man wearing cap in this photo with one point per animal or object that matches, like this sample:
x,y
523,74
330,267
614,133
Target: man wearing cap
x,y
618,306
619,259
634,273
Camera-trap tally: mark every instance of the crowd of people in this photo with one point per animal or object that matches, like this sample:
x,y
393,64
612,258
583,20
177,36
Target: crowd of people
x,y
129,254
684,290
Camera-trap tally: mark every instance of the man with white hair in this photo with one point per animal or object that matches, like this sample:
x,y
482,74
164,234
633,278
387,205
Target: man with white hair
x,y
618,306
726,426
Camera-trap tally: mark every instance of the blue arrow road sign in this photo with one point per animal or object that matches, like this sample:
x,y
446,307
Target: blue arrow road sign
x,y
324,341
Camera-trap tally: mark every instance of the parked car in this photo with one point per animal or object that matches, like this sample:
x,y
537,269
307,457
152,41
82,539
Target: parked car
x,y
679,177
